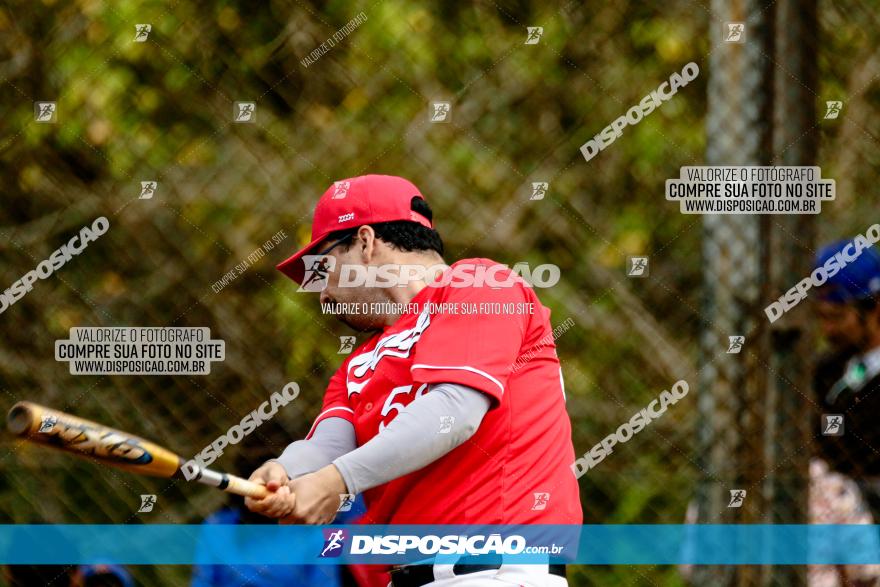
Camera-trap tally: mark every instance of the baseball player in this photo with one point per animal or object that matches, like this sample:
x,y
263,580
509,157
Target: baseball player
x,y
451,412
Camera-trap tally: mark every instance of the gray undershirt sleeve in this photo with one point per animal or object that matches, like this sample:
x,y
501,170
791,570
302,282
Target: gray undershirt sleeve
x,y
331,438
427,429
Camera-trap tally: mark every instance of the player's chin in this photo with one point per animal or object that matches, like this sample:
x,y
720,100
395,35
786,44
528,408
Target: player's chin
x,y
360,322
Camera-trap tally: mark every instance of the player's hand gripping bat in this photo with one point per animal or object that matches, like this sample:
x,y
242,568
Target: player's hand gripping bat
x,y
114,447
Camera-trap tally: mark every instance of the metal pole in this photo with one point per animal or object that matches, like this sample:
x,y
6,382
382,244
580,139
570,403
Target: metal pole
x,y
795,140
732,387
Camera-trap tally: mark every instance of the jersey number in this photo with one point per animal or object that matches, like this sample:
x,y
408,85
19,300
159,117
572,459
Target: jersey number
x,y
390,404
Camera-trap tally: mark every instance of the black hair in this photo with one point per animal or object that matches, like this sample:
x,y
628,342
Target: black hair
x,y
401,234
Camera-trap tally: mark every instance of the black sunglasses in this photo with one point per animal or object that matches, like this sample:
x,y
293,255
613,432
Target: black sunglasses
x,y
336,243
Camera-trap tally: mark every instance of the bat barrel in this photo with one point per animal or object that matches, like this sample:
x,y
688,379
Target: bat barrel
x,y
20,418
91,440
115,448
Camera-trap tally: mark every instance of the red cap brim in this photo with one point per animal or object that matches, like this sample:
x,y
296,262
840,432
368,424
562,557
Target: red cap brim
x,y
293,266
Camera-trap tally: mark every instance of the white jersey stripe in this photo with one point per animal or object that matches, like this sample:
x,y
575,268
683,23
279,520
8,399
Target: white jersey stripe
x,y
460,368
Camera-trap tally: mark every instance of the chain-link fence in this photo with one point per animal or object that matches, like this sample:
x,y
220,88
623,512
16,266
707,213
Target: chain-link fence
x,y
163,108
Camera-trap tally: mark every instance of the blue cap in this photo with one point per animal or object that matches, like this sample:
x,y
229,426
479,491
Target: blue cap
x,y
117,571
858,280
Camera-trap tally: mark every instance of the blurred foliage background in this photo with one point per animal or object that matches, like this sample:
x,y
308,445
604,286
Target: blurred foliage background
x,y
162,110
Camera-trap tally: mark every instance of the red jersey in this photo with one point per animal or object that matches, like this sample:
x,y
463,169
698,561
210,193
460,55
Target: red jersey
x,y
516,468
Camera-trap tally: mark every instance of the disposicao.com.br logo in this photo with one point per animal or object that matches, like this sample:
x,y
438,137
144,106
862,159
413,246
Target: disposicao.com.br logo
x,y
401,544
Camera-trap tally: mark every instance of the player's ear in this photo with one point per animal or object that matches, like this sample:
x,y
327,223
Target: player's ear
x,y
365,242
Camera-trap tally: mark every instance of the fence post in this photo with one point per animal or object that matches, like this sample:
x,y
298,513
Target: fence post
x,y
736,256
789,425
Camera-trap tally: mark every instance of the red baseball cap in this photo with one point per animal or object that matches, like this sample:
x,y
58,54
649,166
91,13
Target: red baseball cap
x,y
354,202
